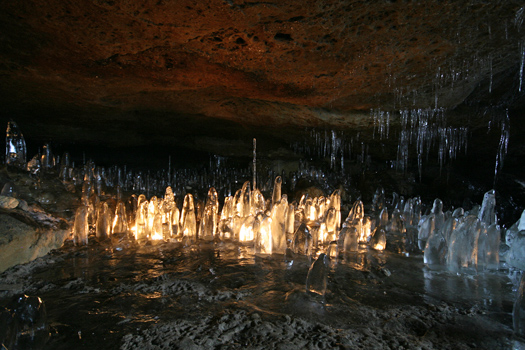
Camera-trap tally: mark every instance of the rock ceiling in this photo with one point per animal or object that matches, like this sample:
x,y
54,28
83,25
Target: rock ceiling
x,y
130,73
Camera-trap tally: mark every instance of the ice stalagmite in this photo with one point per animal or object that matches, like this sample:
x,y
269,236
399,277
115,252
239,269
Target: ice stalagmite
x,y
47,160
15,146
317,278
348,240
263,238
435,249
141,217
258,204
378,239
302,241
167,210
103,225
463,246
276,195
490,233
188,219
208,226
120,222
279,215
290,224
81,227
335,202
487,213
248,228
153,208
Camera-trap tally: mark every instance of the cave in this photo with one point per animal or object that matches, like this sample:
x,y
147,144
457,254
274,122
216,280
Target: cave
x,y
243,174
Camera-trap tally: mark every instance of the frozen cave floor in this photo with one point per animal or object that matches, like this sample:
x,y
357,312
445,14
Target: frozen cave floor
x,y
166,296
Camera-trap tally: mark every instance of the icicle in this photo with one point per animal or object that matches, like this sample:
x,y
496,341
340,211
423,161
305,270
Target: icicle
x,y
254,164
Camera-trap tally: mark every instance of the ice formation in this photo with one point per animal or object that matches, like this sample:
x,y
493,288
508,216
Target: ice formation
x,y
15,146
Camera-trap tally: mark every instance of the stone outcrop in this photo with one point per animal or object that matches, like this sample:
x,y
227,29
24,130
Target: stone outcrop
x,y
131,73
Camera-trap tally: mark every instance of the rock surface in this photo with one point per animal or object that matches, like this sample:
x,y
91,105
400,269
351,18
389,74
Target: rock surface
x,y
138,73
21,243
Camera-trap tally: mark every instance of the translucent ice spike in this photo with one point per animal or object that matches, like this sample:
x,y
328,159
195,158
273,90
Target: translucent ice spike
x,y
487,213
397,223
383,218
378,201
258,204
153,209
103,225
81,227
276,195
317,278
48,160
279,213
175,222
247,230
463,245
208,226
120,222
348,240
426,228
357,211
435,249
490,247
290,222
263,239
513,231
378,240
141,233
15,146
439,216
302,241
188,219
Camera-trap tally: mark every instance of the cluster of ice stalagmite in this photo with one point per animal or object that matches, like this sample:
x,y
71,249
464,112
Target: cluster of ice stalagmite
x,y
462,240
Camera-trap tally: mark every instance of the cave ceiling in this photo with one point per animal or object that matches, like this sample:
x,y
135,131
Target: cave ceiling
x,y
205,73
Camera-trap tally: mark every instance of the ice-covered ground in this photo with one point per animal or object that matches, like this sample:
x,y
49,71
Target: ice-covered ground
x,y
166,296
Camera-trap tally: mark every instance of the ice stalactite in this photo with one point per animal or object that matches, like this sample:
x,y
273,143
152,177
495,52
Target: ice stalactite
x,y
503,145
522,65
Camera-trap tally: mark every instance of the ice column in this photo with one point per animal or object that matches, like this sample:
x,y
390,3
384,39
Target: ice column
x,y
15,146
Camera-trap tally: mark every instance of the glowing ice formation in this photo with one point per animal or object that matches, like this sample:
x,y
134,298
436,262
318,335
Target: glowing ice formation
x,y
81,226
188,219
103,225
208,226
15,146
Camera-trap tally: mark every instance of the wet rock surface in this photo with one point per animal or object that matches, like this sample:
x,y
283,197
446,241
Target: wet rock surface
x,y
165,296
